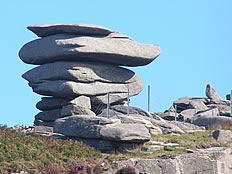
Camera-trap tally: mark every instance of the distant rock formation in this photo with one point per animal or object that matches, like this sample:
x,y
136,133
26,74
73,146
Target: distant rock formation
x,y
202,111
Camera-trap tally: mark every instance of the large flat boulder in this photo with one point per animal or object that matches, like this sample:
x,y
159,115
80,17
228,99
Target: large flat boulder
x,y
208,121
43,30
67,110
155,126
50,103
72,79
82,126
85,72
108,49
125,132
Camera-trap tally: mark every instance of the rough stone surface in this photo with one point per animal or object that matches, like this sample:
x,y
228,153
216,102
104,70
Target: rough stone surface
x,y
188,114
223,136
212,112
71,79
49,103
108,49
125,132
159,166
72,109
192,163
42,129
196,163
184,102
208,121
38,122
43,30
82,126
50,115
169,115
167,127
80,72
151,147
211,93
223,158
156,128
120,109
187,127
223,108
81,101
197,104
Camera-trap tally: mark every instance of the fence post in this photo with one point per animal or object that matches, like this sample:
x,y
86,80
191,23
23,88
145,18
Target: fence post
x,y
175,112
148,102
128,102
231,103
108,104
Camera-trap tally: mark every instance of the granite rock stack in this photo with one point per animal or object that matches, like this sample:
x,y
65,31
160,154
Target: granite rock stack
x,y
78,65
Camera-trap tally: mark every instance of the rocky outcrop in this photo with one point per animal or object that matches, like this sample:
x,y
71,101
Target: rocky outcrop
x,y
215,160
81,67
191,108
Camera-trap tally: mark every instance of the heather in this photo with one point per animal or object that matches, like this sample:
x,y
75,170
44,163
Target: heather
x,y
19,152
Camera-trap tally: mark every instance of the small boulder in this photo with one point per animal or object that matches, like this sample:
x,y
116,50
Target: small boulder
x,y
212,112
212,94
222,136
72,109
188,114
197,104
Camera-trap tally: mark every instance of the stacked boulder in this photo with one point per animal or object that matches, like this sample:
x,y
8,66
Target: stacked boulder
x,y
79,65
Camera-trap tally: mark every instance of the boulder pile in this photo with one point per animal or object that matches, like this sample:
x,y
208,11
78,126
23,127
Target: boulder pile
x,y
79,65
202,111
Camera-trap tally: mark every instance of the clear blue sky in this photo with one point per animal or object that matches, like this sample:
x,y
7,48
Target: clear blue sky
x,y
195,37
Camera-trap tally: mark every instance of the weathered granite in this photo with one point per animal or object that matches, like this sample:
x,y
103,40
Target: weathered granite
x,y
106,49
43,30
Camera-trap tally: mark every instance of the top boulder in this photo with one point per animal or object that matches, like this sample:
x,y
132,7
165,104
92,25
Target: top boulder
x,y
43,30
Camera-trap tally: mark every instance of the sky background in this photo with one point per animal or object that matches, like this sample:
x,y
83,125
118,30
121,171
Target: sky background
x,y
195,38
